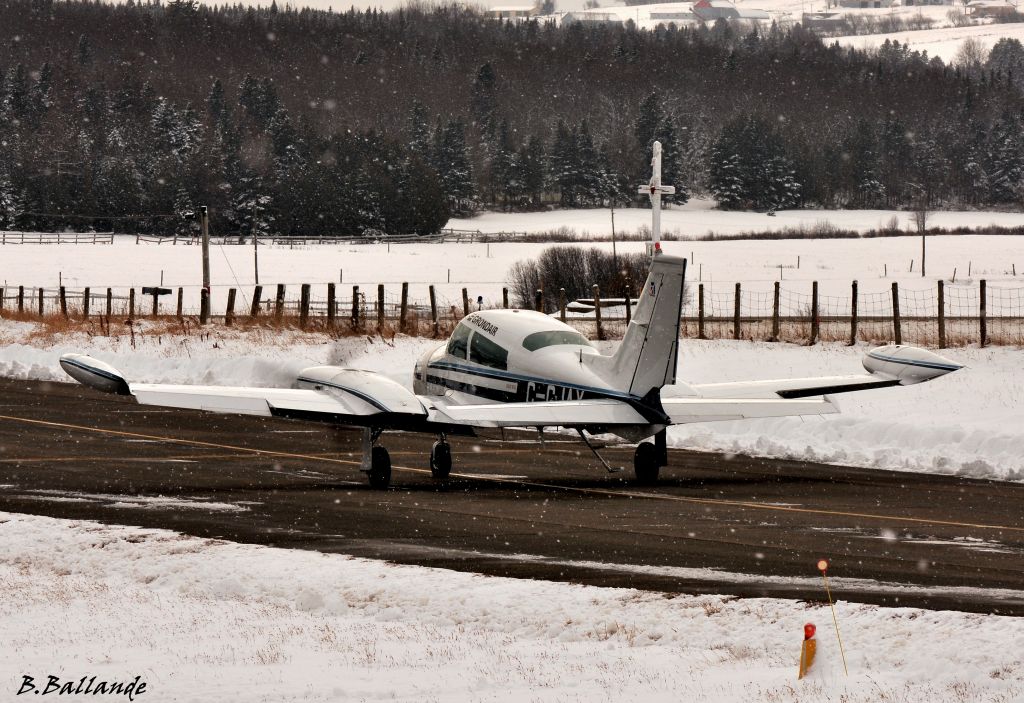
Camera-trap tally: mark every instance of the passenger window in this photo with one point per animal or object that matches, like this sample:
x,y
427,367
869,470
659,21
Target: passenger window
x,y
550,338
483,351
459,342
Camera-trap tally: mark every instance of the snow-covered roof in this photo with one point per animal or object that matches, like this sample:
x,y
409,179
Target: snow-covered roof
x,y
990,3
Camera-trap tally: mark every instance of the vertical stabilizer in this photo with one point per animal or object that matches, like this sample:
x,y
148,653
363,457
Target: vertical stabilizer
x,y
646,358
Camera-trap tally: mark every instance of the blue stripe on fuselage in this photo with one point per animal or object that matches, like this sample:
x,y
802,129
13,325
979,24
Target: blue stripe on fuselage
x,y
522,378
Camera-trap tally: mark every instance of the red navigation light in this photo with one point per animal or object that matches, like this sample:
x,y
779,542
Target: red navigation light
x,y
809,629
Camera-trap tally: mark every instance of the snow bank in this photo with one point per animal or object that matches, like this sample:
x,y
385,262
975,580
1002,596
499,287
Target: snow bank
x,y
207,620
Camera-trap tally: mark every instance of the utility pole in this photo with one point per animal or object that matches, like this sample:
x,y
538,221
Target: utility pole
x,y
204,308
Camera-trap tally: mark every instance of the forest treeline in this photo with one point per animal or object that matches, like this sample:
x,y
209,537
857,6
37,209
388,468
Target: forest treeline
x,y
308,122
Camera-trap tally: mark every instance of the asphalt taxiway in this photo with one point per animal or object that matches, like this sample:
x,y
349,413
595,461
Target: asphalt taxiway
x,y
714,524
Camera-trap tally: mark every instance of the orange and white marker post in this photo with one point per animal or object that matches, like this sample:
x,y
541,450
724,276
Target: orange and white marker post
x,y
808,649
823,567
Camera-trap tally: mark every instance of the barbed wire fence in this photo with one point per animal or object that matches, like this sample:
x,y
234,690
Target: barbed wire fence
x,y
948,314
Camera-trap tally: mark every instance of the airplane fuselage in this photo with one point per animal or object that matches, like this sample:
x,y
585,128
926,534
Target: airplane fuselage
x,y
512,356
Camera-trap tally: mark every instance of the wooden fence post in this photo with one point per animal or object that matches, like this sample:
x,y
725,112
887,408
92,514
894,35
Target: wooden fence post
x,y
853,314
597,311
736,313
41,308
814,312
156,303
204,305
355,307
304,306
538,300
465,302
700,312
896,327
983,313
279,302
229,311
504,298
63,302
561,304
110,303
2,292
181,303
131,303
942,314
380,307
433,312
331,304
85,303
776,313
404,310
21,299
257,294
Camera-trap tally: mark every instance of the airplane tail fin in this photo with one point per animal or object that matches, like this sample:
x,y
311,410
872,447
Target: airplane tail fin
x,y
646,358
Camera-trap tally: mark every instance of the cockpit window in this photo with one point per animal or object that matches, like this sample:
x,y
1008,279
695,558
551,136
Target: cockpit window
x,y
539,340
483,351
459,343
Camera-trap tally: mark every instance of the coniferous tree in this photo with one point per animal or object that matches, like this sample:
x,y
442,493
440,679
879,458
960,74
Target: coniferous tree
x,y
750,169
452,162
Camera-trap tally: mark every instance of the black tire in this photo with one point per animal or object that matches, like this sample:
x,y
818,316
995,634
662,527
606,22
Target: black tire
x,y
645,463
441,460
380,468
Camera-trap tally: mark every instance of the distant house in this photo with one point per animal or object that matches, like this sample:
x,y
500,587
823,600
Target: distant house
x,y
824,21
591,17
673,15
711,10
511,12
909,3
990,8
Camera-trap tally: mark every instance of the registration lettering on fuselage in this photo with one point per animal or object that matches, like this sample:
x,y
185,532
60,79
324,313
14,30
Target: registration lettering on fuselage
x,y
542,392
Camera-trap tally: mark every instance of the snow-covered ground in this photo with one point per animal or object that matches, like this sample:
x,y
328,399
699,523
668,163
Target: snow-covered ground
x,y
205,620
969,423
483,268
943,42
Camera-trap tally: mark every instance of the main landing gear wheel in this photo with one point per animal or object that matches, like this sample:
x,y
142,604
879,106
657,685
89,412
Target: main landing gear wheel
x,y
646,462
380,468
441,460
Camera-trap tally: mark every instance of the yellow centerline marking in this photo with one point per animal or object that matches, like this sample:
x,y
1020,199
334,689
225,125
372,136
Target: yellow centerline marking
x,y
753,505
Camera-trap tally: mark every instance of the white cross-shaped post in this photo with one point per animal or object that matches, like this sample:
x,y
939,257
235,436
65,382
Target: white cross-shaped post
x,y
655,189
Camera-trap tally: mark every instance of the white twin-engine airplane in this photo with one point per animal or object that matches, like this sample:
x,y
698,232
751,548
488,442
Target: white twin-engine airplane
x,y
520,368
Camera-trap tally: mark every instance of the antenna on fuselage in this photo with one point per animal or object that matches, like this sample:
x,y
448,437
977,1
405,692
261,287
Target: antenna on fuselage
x,y
655,189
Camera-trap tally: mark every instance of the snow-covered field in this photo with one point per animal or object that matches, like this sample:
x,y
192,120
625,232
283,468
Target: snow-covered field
x,y
205,620
943,42
483,268
970,423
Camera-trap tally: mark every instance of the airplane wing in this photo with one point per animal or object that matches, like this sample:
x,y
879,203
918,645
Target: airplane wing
x,y
887,366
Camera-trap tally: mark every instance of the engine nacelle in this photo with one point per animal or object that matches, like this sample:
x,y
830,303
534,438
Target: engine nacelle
x,y
908,365
380,393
